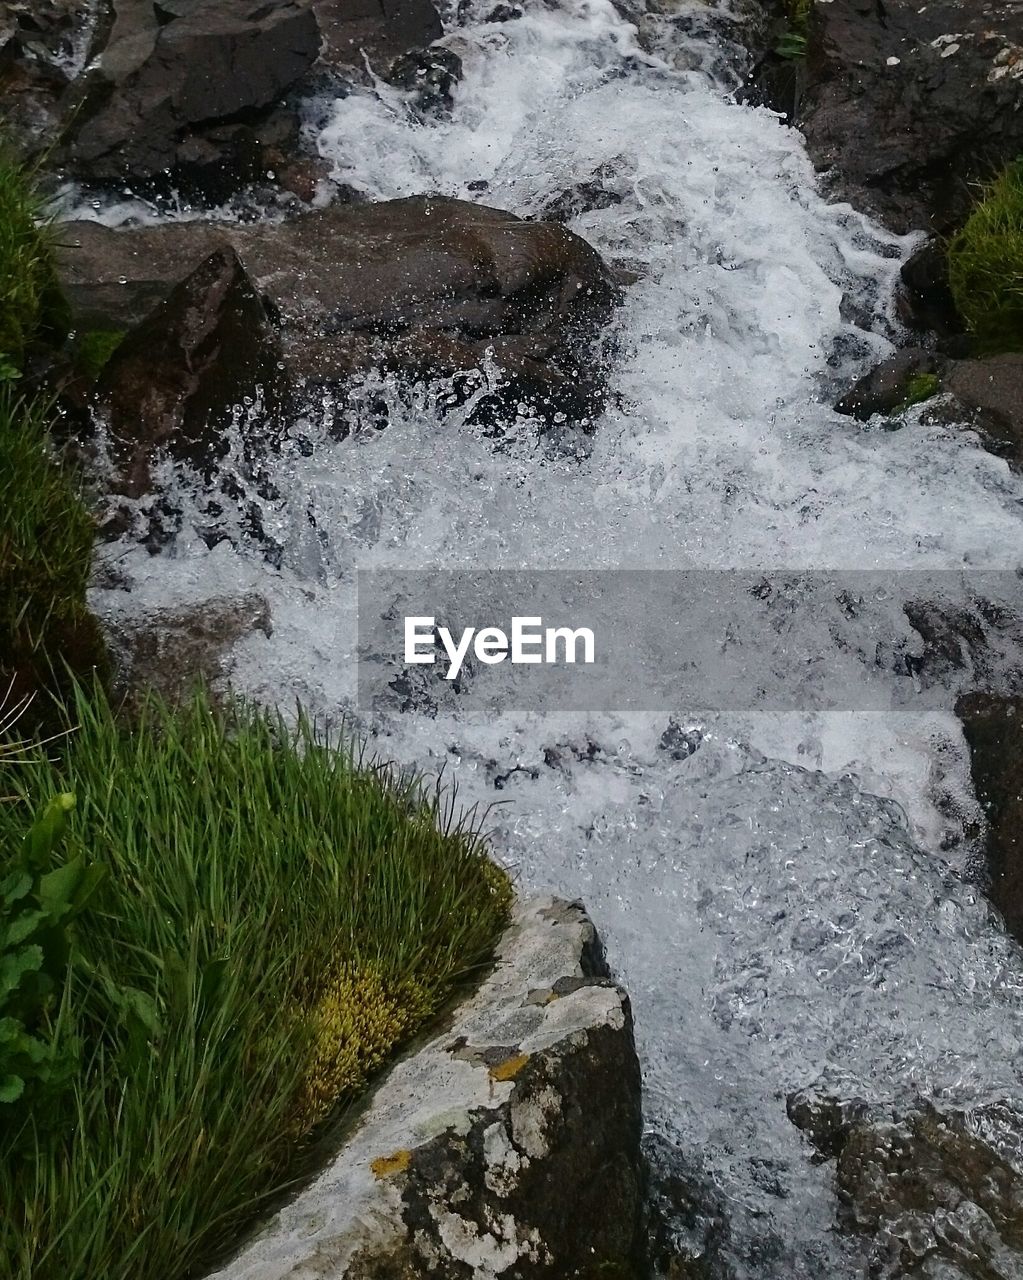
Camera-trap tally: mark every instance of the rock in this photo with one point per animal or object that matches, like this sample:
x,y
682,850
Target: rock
x,y
508,1145
424,288
169,651
595,192
171,385
992,391
938,1190
993,727
381,29
180,93
888,386
925,300
43,44
430,74
909,104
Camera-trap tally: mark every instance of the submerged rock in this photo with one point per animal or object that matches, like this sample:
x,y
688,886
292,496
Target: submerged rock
x,y
172,384
993,727
910,103
939,1191
421,288
508,1145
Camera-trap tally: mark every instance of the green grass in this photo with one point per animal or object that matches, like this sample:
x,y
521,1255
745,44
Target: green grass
x,y
985,263
792,43
46,539
274,917
30,300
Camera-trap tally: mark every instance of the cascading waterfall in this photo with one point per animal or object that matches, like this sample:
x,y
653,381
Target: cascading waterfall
x,y
784,895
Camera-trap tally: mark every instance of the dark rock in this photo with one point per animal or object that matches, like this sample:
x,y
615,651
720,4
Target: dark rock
x,y
423,287
992,391
172,383
909,104
171,651
689,1225
925,300
826,1120
993,727
429,74
937,1192
886,387
42,44
381,29
178,97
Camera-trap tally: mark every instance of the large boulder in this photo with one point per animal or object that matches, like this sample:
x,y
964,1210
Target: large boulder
x,y
171,386
184,93
909,103
991,390
508,1145
422,288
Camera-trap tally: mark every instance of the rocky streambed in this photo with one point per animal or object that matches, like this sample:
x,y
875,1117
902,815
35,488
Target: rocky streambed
x,y
541,286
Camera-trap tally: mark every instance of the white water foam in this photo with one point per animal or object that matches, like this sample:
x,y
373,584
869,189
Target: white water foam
x,y
775,897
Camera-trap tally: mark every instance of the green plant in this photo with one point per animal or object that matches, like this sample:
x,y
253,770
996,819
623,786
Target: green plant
x,y
279,913
30,298
39,901
46,539
792,42
94,348
920,387
985,265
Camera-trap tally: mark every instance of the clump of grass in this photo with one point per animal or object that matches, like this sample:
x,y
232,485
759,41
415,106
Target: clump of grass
x,y
29,296
985,265
920,387
792,43
46,541
274,917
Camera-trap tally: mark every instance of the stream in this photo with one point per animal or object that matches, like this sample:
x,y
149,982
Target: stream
x,y
788,895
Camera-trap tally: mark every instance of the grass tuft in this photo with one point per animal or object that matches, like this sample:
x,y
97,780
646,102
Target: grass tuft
x,y
46,539
985,263
29,296
274,917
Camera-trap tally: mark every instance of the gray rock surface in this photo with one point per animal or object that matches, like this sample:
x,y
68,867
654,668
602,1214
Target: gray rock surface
x,y
507,1146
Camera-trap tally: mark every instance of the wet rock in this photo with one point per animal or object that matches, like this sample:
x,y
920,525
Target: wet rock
x,y
887,387
689,1223
382,30
826,1119
993,727
430,75
423,288
925,300
508,1145
937,1193
908,104
991,390
181,92
43,43
171,385
169,651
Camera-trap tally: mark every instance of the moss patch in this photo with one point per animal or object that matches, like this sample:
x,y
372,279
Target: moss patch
x,y
985,264
919,388
276,916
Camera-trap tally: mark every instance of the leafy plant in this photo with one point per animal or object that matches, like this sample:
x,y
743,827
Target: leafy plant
x,y
39,901
792,43
280,913
985,265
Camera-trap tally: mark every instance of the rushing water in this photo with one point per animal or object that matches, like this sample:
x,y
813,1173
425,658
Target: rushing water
x,y
785,896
